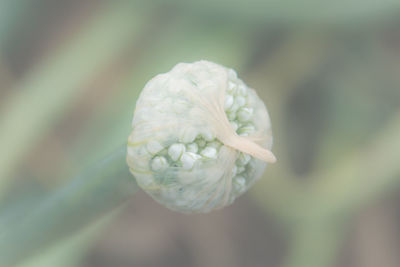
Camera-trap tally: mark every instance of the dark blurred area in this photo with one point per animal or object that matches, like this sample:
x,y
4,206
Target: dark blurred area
x,y
329,73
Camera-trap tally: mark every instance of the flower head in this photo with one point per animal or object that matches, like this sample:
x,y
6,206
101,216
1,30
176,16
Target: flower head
x,y
200,137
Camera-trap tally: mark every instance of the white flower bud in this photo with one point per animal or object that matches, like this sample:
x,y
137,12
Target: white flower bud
x,y
228,101
231,87
187,134
154,147
175,151
209,152
191,147
240,101
244,114
240,169
234,125
188,159
208,135
159,163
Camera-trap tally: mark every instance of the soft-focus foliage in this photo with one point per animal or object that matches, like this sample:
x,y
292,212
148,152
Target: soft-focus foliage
x,y
71,71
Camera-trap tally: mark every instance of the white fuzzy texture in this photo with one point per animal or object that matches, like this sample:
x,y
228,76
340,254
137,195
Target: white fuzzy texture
x,y
200,137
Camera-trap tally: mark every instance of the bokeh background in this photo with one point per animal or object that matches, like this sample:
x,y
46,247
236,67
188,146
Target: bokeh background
x,y
329,72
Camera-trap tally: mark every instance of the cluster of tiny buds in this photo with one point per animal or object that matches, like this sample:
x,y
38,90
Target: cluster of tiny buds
x,y
204,146
182,150
236,107
182,155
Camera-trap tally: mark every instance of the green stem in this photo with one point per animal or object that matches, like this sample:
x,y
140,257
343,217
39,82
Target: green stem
x,y
74,205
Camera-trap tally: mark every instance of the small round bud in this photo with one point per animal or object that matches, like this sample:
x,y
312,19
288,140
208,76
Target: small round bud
x,y
245,114
228,101
159,163
209,152
188,159
154,147
175,151
240,101
193,147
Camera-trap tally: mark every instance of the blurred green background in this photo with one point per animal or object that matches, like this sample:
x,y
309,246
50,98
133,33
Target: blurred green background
x,y
70,74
